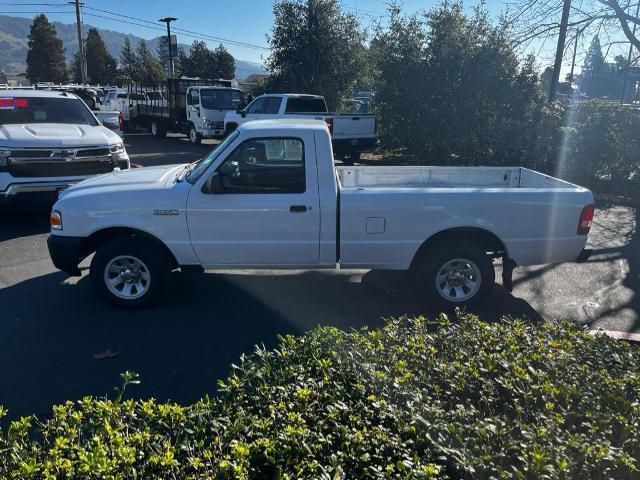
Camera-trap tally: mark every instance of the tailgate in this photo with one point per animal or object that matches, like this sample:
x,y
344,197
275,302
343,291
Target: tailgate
x,y
354,126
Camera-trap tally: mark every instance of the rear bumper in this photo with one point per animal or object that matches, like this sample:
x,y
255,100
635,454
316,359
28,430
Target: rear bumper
x,y
349,144
66,253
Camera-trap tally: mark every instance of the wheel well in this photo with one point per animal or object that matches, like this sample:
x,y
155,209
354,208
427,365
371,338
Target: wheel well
x,y
93,241
231,126
489,241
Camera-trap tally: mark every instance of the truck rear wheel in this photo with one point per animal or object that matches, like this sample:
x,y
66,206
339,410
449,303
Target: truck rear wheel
x,y
455,274
194,136
129,272
158,130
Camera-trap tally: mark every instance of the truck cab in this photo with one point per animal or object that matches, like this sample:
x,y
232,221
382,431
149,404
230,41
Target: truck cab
x,y
206,107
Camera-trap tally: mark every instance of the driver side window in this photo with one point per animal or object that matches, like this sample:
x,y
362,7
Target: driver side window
x,y
257,106
265,165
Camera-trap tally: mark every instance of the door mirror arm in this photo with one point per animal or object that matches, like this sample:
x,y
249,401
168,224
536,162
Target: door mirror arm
x,y
213,185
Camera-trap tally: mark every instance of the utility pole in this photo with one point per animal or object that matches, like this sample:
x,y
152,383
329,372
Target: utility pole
x,y
626,75
573,60
168,21
562,36
83,55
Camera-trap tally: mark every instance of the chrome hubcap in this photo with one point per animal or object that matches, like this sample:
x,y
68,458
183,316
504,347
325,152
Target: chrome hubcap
x,y
192,135
458,280
127,277
154,129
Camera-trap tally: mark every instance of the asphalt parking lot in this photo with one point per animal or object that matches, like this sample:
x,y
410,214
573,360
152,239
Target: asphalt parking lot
x,y
51,326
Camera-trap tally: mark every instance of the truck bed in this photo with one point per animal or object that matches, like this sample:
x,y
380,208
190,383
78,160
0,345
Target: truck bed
x,y
448,177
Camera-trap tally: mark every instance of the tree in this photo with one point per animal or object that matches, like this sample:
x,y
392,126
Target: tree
x,y
182,64
533,20
315,48
200,60
101,66
45,57
150,68
223,63
600,78
450,89
129,66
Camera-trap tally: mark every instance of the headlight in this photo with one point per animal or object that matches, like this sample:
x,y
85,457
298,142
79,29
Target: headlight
x,y
55,220
4,157
118,153
116,149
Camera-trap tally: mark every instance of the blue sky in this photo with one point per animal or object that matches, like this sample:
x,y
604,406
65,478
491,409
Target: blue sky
x,y
246,21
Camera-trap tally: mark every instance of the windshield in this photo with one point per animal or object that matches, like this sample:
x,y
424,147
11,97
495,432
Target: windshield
x,y
219,99
202,164
45,110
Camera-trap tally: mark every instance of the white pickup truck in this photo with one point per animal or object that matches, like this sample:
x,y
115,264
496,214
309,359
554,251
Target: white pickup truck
x,y
269,196
50,140
351,133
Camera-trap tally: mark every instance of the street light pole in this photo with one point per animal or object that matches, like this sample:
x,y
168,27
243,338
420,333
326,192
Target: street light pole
x,y
168,21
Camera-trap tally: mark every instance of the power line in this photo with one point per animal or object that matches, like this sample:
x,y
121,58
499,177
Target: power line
x,y
191,33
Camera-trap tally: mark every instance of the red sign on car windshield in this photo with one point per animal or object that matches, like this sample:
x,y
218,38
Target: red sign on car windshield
x,y
11,103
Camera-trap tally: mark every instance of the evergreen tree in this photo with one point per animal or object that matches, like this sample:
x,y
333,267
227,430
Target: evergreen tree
x,y
200,60
101,66
129,66
45,58
598,77
150,67
182,64
223,63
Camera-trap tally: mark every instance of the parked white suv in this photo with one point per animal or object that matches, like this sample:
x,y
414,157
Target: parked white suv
x,y
49,141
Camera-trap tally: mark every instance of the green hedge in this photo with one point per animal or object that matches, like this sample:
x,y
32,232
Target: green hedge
x,y
412,400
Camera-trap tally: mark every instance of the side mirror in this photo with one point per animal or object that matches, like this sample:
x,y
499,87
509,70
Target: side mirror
x,y
243,113
213,185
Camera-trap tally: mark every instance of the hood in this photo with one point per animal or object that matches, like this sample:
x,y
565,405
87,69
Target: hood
x,y
146,178
50,135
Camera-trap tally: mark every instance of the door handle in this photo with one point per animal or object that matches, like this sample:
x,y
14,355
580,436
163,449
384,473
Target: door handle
x,y
297,208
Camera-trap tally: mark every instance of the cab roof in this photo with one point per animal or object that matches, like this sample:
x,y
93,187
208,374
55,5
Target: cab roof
x,y
284,124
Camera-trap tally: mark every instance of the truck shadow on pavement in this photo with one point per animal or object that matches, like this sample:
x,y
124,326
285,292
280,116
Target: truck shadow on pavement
x,y
52,327
25,223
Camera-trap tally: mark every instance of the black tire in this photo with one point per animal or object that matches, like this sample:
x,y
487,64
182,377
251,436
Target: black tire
x,y
157,130
194,136
474,259
155,263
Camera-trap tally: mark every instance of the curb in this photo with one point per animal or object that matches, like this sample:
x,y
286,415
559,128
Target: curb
x,y
618,199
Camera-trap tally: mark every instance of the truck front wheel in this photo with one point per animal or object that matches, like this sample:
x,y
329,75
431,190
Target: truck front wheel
x,y
129,272
457,274
194,136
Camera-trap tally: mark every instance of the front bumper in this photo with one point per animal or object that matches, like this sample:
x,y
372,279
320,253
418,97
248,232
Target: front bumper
x,y
66,253
33,194
212,132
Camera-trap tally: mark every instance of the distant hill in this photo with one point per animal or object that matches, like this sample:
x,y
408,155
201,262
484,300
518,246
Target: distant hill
x,y
13,45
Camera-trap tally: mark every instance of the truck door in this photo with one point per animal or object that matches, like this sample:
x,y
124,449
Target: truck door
x,y
193,108
267,212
